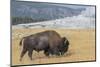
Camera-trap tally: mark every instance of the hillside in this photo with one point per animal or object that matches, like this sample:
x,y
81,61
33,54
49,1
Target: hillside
x,y
42,11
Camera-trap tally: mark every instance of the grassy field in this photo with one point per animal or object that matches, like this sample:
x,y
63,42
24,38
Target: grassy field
x,y
82,46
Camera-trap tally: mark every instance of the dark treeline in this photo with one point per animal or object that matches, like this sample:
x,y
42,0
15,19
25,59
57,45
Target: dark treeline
x,y
23,20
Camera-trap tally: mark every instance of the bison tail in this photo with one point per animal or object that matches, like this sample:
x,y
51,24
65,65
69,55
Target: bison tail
x,y
21,41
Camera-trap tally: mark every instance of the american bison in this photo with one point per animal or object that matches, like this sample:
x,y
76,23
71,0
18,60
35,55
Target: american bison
x,y
48,41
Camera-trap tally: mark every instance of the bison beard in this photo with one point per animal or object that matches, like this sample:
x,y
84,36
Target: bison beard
x,y
48,41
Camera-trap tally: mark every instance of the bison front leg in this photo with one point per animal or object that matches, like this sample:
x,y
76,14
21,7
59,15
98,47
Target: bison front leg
x,y
55,51
30,54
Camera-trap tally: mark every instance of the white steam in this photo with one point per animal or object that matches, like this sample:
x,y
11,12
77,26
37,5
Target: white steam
x,y
89,12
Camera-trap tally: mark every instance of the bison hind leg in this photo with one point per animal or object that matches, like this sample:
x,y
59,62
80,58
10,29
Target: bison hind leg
x,y
46,52
23,53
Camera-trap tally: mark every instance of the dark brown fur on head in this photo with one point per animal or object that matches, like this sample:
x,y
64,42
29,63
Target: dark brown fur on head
x,y
65,45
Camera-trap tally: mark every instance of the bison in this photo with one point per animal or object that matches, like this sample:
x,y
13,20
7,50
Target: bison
x,y
48,41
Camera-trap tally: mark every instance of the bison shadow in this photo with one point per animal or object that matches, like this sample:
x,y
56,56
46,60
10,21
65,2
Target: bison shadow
x,y
53,56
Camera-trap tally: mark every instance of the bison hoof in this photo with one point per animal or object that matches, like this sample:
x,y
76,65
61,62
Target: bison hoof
x,y
47,54
31,59
20,59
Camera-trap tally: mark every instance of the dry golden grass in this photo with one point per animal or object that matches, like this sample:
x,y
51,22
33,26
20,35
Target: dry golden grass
x,y
82,46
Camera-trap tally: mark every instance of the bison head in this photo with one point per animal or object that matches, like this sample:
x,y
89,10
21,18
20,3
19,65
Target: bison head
x,y
64,46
